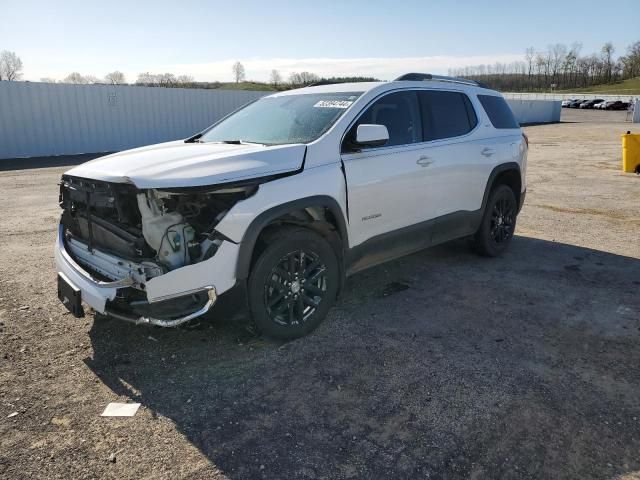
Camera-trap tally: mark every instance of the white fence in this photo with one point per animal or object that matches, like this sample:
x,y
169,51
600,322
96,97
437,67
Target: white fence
x,y
536,111
42,119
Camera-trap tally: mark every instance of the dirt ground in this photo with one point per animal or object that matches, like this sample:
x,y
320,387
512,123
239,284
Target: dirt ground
x,y
439,365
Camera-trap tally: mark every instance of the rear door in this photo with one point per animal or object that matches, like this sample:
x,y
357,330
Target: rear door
x,y
387,185
460,158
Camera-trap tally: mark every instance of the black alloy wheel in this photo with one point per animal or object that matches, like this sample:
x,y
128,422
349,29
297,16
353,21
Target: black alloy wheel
x,y
498,222
293,282
503,219
295,287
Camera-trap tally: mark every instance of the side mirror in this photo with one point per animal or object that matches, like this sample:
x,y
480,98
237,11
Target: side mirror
x,y
369,135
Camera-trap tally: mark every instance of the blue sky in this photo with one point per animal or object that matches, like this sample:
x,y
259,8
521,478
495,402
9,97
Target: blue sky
x,y
379,38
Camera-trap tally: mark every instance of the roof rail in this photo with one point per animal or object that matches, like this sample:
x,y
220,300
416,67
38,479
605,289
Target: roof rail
x,y
437,78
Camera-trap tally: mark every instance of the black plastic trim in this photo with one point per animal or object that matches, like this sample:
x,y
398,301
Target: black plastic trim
x,y
390,245
503,167
398,243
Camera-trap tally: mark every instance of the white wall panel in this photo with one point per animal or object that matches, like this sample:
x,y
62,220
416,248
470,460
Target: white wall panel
x,y
536,111
42,119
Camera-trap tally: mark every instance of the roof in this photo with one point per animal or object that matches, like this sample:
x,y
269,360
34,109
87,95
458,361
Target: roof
x,y
362,87
333,88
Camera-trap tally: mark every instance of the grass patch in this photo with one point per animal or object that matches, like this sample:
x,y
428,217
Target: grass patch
x,y
246,86
626,87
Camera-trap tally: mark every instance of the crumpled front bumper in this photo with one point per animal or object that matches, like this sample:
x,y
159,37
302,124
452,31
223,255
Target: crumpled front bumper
x,y
95,293
215,276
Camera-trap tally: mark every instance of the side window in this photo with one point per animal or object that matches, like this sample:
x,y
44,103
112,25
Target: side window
x,y
498,111
397,111
446,114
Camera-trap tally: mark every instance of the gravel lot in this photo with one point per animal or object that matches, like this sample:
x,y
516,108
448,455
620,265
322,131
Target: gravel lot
x,y
438,365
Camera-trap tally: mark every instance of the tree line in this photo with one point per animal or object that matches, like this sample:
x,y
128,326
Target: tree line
x,y
558,67
11,70
296,79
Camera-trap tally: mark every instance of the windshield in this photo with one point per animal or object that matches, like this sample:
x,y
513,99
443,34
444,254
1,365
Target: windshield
x,y
281,120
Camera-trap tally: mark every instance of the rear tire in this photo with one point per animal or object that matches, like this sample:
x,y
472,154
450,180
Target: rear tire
x,y
293,283
498,222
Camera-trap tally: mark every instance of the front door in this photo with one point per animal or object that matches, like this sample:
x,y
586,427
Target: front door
x,y
387,185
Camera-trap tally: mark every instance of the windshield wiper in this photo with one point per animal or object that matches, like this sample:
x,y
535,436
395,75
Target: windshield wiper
x,y
231,142
240,142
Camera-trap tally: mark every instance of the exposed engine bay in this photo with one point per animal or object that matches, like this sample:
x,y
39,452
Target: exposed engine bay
x,y
116,230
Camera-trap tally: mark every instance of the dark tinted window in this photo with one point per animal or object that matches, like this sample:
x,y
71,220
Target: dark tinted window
x,y
446,114
398,112
499,112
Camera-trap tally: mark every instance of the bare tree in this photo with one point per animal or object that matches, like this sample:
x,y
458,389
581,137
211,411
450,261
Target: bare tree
x,y
529,55
166,79
631,61
10,66
184,79
147,78
557,55
607,59
275,79
75,78
115,78
238,72
163,79
303,79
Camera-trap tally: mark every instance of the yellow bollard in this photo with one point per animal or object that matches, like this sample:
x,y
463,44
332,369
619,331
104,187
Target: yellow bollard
x,y
631,152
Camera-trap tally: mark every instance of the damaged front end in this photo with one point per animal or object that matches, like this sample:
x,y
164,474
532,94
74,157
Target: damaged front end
x,y
147,254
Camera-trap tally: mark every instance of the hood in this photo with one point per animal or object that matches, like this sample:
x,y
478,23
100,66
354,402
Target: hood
x,y
180,164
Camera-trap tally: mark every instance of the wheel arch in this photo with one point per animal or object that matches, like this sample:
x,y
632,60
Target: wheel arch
x,y
504,174
271,216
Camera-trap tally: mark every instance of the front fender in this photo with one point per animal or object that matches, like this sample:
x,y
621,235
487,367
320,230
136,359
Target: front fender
x,y
320,186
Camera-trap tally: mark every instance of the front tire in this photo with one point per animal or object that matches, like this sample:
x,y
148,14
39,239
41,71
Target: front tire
x,y
498,222
293,283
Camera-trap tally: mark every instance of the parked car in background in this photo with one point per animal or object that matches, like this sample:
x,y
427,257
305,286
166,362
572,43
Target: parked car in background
x,y
567,103
288,196
576,103
591,103
616,105
605,105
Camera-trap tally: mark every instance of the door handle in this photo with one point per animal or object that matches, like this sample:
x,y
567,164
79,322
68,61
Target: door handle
x,y
487,152
424,161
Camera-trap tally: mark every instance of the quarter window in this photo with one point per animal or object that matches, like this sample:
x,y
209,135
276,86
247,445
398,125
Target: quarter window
x,y
498,111
446,114
399,112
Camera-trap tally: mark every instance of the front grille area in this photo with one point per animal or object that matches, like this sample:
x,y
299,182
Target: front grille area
x,y
103,215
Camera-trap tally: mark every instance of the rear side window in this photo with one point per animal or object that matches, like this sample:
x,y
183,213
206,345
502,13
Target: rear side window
x,y
499,112
446,114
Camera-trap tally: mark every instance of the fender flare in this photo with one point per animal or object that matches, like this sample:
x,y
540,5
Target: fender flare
x,y
503,167
248,242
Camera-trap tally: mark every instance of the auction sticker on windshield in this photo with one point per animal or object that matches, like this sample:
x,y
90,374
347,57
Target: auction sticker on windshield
x,y
333,104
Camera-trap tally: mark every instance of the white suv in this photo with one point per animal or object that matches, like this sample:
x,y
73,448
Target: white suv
x,y
287,196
